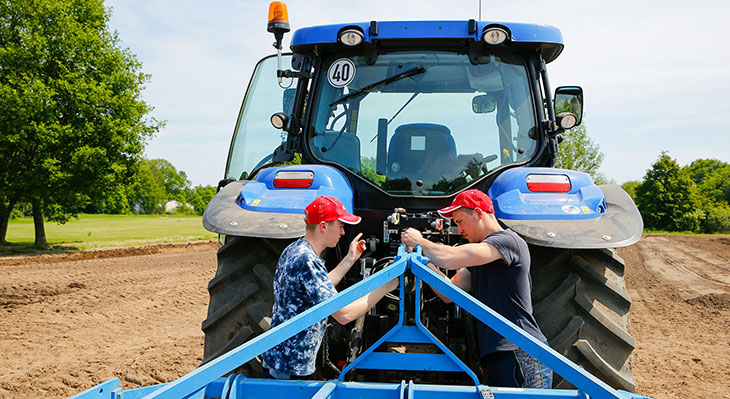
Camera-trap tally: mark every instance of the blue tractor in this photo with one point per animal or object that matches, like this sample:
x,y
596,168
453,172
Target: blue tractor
x,y
394,119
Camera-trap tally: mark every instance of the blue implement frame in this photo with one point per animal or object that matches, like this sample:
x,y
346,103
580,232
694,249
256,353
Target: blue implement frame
x,y
205,381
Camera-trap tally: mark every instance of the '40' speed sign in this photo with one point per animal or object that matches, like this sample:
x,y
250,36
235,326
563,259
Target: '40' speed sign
x,y
341,72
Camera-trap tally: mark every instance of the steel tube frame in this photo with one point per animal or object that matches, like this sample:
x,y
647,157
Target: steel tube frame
x,y
227,362
204,382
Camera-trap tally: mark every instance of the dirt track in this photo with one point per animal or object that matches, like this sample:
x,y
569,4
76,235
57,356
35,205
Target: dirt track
x,y
72,321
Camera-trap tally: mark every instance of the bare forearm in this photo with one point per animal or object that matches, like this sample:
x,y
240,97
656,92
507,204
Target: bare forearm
x,y
440,254
340,270
360,306
440,295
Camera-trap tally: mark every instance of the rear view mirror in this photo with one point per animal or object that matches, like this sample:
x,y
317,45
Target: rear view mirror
x,y
569,99
484,103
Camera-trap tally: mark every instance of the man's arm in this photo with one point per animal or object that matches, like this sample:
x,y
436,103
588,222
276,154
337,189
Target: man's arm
x,y
357,247
361,306
461,279
449,257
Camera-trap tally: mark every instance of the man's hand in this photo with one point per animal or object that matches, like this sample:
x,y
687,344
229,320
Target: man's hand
x,y
411,237
357,247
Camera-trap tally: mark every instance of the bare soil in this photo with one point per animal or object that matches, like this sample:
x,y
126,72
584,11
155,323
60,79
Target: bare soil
x,y
680,315
74,320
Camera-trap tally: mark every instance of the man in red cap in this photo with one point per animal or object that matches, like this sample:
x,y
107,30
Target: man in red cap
x,y
495,268
302,281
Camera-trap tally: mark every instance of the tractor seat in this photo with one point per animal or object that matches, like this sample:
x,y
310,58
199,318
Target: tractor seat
x,y
421,151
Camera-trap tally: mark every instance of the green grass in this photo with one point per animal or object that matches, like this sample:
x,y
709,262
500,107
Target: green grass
x,y
100,231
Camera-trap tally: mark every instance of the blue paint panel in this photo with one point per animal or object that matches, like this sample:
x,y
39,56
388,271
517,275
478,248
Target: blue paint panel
x,y
513,200
521,32
409,361
260,195
101,391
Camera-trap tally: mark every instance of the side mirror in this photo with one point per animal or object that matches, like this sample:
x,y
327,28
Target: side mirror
x,y
569,99
484,103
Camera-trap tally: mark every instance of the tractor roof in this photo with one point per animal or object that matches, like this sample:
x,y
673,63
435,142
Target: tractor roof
x,y
549,38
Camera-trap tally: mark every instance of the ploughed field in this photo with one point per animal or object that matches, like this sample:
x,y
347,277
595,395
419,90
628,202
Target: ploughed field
x,y
74,320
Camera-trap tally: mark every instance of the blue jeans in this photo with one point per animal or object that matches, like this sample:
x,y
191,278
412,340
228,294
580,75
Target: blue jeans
x,y
279,375
547,376
516,369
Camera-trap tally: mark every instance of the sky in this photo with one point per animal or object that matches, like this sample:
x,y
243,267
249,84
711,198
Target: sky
x,y
655,74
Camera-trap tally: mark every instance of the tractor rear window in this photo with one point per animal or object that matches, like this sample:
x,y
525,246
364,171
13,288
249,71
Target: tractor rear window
x,y
423,123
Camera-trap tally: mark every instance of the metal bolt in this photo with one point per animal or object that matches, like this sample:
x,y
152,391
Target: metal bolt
x,y
551,234
283,226
607,238
233,223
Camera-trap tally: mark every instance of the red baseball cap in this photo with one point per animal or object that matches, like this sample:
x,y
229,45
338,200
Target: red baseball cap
x,y
471,199
327,209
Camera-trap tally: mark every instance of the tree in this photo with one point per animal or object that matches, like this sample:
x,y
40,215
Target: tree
x,y
667,198
71,112
712,178
199,197
155,182
175,182
146,191
579,152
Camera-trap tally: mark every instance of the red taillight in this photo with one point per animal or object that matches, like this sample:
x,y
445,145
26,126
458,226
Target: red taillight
x,y
548,183
290,179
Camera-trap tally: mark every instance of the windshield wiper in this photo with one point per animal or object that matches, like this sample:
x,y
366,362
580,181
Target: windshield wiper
x,y
374,86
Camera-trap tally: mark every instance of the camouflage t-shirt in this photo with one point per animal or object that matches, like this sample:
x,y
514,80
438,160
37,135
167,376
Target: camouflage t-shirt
x,y
301,281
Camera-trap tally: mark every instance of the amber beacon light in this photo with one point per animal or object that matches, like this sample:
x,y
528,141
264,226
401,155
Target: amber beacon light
x,y
278,21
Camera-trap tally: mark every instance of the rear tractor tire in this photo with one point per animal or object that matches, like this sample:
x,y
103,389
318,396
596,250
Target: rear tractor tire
x,y
241,296
582,307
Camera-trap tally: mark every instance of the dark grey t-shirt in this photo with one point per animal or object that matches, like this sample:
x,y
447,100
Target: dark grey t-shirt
x,y
505,286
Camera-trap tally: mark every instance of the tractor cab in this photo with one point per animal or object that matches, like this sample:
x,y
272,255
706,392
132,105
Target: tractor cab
x,y
424,109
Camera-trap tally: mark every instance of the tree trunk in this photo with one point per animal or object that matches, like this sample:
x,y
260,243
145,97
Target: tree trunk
x,y
4,219
40,231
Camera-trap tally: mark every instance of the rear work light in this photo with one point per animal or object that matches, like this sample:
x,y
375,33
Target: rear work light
x,y
291,179
548,183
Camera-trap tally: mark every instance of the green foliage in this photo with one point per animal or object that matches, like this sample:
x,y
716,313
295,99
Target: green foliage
x,y
692,198
666,197
690,221
16,214
174,182
71,113
717,219
146,191
580,152
295,160
368,171
630,188
155,182
712,178
199,197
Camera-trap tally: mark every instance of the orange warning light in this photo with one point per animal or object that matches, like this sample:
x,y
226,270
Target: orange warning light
x,y
278,13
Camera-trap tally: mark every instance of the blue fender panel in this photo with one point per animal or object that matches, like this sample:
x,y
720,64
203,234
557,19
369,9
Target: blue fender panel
x,y
260,195
620,226
514,200
255,208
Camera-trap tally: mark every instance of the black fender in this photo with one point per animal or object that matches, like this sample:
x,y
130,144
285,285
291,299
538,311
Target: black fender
x,y
620,226
223,215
